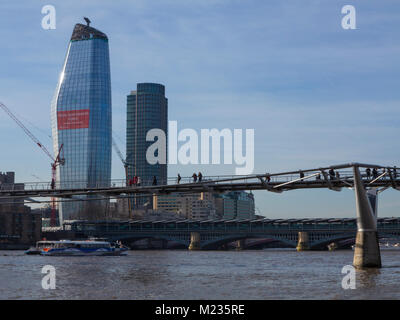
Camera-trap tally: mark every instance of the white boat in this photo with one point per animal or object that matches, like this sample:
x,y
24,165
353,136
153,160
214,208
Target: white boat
x,y
79,248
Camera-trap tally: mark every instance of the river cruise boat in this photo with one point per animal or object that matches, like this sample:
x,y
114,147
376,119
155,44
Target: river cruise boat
x,y
77,248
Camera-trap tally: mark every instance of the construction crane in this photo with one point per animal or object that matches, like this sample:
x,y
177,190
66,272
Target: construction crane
x,y
125,163
54,164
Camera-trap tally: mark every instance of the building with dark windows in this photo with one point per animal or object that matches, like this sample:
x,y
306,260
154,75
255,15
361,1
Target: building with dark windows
x,y
81,118
147,108
19,226
235,205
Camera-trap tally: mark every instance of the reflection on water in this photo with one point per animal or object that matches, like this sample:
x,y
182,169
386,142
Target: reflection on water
x,y
367,278
265,274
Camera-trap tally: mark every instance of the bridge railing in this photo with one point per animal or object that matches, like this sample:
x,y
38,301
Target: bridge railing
x,y
309,176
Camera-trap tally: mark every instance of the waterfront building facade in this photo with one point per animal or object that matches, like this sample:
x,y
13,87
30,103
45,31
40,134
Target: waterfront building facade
x,y
208,205
19,226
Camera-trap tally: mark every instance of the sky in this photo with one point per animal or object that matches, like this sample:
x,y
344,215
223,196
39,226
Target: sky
x,y
314,93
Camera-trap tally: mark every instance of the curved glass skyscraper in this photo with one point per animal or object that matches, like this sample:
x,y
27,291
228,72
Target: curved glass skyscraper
x,y
81,116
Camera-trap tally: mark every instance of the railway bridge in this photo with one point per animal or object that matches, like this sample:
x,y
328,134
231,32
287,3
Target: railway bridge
x,y
213,234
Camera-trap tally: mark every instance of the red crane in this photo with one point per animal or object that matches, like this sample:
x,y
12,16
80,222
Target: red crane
x,y
54,164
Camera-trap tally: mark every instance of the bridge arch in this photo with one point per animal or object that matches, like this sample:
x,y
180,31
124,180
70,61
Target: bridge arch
x,y
327,240
216,242
132,238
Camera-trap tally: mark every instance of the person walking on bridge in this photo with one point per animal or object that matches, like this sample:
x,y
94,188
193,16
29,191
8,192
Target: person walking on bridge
x,y
154,180
179,178
194,177
368,172
200,176
374,173
332,174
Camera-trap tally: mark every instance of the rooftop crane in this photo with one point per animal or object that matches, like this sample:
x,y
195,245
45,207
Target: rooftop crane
x,y
125,163
55,162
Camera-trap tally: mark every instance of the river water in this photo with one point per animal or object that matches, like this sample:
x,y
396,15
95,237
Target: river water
x,y
176,274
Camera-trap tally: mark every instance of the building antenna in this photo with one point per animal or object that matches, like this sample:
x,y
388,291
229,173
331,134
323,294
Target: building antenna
x,y
87,21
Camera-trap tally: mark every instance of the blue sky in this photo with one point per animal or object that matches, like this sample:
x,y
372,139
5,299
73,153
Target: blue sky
x,y
314,93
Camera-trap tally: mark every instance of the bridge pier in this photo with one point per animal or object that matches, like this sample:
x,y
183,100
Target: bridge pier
x,y
303,242
240,244
195,241
366,253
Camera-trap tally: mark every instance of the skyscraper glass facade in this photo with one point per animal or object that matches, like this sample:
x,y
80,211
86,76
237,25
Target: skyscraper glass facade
x,y
81,115
147,108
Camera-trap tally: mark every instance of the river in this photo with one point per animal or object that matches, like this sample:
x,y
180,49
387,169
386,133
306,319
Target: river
x,y
182,274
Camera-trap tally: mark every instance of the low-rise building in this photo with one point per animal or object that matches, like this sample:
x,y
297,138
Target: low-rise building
x,y
235,205
208,205
19,227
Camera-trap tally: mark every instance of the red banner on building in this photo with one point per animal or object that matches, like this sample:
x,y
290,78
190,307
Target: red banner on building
x,y
73,119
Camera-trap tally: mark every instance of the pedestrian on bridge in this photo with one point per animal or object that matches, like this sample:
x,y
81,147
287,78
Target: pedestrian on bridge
x,y
138,181
337,175
375,173
179,178
200,176
154,180
368,172
332,174
194,177
301,174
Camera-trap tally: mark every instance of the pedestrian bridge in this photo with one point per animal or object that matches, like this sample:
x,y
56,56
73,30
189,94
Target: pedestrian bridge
x,y
333,177
215,233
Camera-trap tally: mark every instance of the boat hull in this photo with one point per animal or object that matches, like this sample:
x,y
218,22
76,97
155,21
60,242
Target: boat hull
x,y
82,252
32,251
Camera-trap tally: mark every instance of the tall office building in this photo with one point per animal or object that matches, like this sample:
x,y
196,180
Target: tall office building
x,y
81,116
147,108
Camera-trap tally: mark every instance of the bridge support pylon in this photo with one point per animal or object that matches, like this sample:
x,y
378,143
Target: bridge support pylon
x,y
303,243
366,253
240,244
194,241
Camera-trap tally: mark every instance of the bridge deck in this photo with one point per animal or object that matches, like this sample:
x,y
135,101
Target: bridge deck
x,y
333,177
